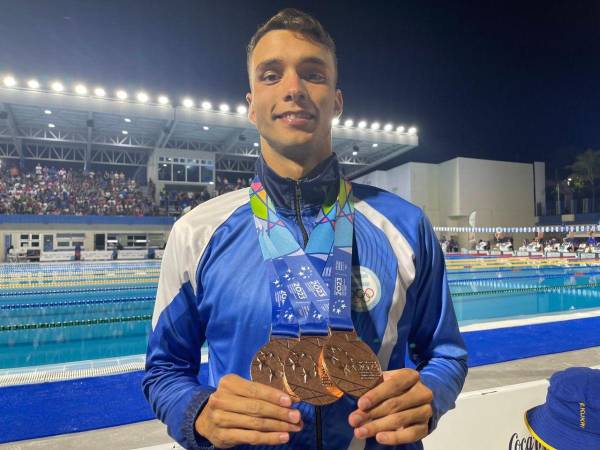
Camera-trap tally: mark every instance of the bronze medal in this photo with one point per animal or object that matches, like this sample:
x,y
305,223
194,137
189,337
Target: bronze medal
x,y
267,365
305,374
350,363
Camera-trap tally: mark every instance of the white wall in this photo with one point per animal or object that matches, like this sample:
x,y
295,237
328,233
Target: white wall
x,y
424,191
399,181
377,178
501,192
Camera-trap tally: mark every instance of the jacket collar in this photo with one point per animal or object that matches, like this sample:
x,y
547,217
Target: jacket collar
x,y
320,184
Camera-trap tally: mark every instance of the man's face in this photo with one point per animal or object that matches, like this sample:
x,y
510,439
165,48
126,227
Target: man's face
x,y
293,96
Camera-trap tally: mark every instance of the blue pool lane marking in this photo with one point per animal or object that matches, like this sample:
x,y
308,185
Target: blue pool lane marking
x,y
508,344
44,291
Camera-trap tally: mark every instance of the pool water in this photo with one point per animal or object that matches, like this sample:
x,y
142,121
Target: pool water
x,y
71,312
481,295
57,313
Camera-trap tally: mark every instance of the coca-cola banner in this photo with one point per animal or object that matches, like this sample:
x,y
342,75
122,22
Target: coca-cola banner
x,y
490,419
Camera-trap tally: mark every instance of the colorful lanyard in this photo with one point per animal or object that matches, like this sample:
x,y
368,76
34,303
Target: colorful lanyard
x,y
303,300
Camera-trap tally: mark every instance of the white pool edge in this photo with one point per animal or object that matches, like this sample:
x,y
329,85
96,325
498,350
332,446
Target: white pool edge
x,y
530,321
77,369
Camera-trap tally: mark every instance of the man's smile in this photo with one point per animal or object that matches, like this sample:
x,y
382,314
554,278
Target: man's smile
x,y
295,118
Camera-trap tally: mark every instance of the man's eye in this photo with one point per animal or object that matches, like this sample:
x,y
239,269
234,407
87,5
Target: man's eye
x,y
270,77
316,77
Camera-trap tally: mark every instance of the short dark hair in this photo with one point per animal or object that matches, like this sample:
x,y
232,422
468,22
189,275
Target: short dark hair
x,y
294,20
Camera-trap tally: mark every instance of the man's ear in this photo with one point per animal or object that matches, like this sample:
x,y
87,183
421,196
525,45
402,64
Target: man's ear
x,y
338,105
251,111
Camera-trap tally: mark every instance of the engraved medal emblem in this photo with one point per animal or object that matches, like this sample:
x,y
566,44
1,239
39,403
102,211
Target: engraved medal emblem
x,y
267,364
350,363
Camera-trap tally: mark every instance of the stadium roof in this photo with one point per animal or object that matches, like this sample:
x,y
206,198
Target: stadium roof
x,y
95,128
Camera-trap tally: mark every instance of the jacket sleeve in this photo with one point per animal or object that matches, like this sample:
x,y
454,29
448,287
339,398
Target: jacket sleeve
x,y
171,380
435,343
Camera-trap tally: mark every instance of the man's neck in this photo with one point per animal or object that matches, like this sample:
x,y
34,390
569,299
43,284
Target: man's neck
x,y
295,169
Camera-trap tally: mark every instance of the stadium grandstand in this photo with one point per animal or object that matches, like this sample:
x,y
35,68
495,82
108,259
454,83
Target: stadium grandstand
x,y
92,167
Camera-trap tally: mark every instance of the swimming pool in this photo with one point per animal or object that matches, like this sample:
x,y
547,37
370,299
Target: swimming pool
x,y
54,313
58,313
505,291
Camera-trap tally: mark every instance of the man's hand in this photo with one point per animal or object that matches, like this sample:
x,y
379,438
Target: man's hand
x,y
245,412
396,412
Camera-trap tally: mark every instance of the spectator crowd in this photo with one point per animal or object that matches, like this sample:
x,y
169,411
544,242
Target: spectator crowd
x,y
223,184
174,202
51,191
48,190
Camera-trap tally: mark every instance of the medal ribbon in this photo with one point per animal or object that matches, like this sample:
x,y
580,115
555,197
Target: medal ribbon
x,y
301,297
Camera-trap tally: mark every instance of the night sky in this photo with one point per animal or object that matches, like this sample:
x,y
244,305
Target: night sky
x,y
516,81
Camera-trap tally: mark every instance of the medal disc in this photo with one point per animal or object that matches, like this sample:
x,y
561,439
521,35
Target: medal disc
x,y
350,363
267,365
305,374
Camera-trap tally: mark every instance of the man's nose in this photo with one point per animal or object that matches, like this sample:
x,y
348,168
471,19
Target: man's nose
x,y
294,88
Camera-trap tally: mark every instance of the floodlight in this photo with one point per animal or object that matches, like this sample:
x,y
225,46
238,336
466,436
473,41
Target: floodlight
x,y
57,86
9,81
142,97
80,89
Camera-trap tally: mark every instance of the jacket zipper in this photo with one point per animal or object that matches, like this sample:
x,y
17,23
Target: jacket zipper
x,y
298,215
318,425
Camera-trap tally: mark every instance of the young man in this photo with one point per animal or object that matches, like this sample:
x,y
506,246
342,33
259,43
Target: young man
x,y
214,283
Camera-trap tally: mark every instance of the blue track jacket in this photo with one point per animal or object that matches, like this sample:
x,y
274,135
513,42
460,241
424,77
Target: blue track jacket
x,y
214,289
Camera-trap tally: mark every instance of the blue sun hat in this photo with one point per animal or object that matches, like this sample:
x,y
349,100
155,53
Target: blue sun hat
x,y
570,418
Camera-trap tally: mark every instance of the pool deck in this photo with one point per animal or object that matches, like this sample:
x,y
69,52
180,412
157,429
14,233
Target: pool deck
x,y
152,435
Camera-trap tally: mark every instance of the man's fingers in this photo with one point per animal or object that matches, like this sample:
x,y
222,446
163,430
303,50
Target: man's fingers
x,y
229,437
399,382
251,389
253,407
227,419
406,435
418,395
393,422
